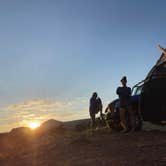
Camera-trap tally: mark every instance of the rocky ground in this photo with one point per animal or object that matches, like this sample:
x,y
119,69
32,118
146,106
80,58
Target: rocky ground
x,y
77,146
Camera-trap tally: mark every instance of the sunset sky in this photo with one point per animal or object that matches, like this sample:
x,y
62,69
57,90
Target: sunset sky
x,y
55,53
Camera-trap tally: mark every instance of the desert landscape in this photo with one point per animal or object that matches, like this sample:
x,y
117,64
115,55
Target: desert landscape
x,y
64,62
57,143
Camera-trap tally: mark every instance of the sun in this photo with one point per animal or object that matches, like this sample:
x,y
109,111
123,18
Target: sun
x,y
34,125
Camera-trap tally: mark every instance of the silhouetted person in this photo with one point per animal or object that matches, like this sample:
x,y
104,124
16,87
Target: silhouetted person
x,y
124,93
94,107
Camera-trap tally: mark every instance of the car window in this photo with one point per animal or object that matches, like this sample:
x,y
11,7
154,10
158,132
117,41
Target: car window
x,y
134,90
137,90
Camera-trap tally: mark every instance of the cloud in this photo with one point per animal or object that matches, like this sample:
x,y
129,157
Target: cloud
x,y
40,110
36,104
40,105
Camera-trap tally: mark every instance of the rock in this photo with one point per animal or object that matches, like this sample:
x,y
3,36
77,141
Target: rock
x,y
50,126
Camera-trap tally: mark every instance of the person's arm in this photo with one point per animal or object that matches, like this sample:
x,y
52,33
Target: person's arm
x,y
118,91
106,110
101,109
101,112
129,91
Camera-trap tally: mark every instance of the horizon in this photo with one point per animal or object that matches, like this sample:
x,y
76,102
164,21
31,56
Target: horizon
x,y
55,54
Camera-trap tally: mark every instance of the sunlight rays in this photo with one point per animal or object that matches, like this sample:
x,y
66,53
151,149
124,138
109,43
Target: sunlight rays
x,y
34,125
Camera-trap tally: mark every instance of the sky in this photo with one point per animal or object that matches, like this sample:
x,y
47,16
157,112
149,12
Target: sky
x,y
55,53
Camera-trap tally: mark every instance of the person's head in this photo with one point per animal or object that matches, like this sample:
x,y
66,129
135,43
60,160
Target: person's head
x,y
124,80
94,95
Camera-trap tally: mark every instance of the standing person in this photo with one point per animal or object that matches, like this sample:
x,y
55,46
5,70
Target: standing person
x,y
124,93
93,109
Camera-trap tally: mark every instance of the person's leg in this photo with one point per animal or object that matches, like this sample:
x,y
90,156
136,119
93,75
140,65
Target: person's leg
x,y
132,117
93,121
123,118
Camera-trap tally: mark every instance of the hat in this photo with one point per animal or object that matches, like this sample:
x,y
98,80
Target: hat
x,y
94,94
124,78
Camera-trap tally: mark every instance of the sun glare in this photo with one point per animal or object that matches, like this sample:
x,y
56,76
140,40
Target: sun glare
x,y
34,125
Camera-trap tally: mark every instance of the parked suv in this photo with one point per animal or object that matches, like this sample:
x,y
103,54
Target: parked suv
x,y
148,97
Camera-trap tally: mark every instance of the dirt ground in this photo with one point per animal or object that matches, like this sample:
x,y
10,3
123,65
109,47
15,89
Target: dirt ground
x,y
73,148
